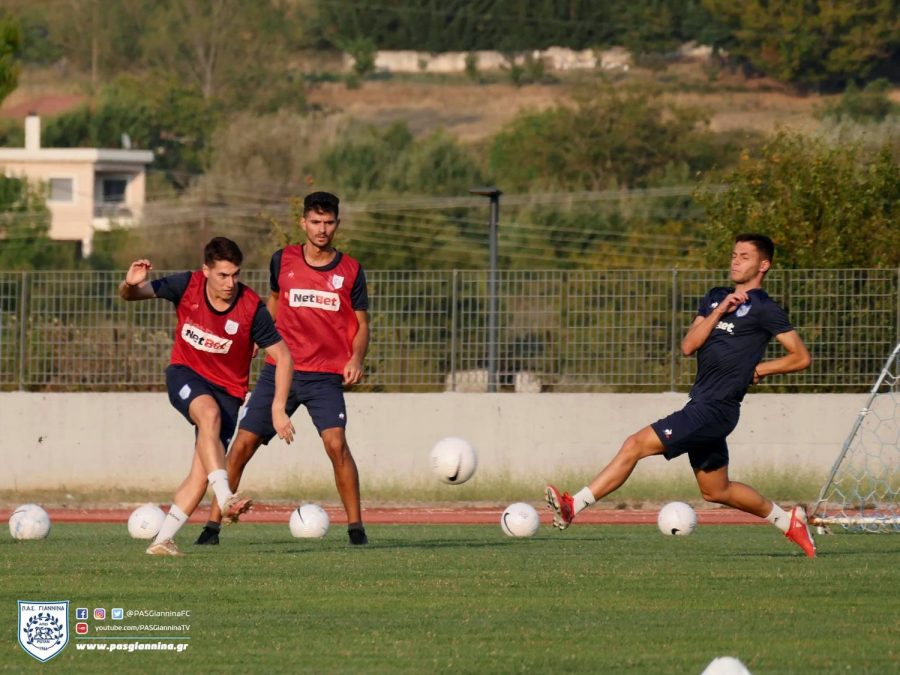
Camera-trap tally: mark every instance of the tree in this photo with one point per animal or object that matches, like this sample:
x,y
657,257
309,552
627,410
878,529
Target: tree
x,y
647,26
24,228
607,139
10,43
824,206
819,43
94,36
157,114
226,49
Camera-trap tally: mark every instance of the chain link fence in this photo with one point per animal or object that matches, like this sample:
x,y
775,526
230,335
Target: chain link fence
x,y
565,331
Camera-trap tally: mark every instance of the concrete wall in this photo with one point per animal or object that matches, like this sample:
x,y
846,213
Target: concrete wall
x,y
554,58
139,441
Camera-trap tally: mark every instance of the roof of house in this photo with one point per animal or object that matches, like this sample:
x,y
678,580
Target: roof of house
x,y
95,155
45,106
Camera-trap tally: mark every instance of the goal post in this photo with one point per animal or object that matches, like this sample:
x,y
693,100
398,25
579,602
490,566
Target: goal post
x,y
860,493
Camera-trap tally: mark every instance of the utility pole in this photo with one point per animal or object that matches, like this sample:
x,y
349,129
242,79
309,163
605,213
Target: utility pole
x,y
494,194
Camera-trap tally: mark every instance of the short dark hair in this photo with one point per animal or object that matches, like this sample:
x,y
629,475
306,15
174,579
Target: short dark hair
x,y
222,248
321,202
763,244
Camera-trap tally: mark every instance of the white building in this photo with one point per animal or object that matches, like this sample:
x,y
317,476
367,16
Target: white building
x,y
87,188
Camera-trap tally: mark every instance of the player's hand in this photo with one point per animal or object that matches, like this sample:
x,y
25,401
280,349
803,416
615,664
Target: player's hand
x,y
732,301
283,426
757,377
137,272
353,372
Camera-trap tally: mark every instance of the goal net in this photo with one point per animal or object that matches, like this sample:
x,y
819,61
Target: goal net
x,y
860,493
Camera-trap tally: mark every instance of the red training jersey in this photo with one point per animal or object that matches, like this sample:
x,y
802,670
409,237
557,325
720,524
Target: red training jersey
x,y
315,314
215,345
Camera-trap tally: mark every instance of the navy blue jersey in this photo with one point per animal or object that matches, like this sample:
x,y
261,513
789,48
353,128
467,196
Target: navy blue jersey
x,y
262,331
736,344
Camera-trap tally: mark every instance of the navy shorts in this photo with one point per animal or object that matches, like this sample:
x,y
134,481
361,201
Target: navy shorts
x,y
321,393
184,385
699,429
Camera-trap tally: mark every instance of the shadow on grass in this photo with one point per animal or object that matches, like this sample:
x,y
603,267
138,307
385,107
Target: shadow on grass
x,y
415,544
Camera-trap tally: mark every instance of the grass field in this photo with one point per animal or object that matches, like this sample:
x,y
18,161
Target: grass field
x,y
797,485
468,599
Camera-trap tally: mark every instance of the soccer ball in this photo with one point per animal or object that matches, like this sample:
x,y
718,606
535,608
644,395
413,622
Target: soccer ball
x,y
519,520
453,460
309,521
725,665
145,521
29,521
676,518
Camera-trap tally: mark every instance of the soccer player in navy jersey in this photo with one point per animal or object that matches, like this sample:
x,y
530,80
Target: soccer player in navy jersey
x,y
219,321
729,336
320,302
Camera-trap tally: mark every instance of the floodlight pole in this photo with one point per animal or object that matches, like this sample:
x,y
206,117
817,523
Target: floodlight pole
x,y
494,194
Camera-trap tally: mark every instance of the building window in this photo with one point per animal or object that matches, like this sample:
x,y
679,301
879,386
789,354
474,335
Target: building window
x,y
114,190
61,190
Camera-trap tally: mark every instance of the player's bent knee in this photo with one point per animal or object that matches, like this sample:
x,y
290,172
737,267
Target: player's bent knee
x,y
338,452
636,448
715,496
207,416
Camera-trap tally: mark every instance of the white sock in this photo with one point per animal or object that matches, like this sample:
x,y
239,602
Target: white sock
x,y
219,481
779,518
175,518
583,499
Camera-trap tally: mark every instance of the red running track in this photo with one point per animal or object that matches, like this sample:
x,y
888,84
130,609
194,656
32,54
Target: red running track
x,y
410,515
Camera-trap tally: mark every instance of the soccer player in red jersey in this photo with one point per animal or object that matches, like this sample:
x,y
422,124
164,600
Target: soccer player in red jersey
x,y
320,301
219,321
730,333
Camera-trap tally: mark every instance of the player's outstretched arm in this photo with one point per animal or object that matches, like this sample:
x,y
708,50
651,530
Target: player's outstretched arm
x,y
284,373
797,357
135,286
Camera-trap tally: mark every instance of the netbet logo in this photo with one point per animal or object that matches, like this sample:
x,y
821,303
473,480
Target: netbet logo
x,y
727,326
308,297
205,342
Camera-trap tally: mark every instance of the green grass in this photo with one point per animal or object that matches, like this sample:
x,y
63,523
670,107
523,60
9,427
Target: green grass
x,y
468,599
677,483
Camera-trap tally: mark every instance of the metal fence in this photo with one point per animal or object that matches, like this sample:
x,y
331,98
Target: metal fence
x,y
614,330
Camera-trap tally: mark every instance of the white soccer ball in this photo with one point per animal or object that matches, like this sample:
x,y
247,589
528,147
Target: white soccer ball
x,y
29,521
309,521
520,520
453,460
145,521
725,665
676,518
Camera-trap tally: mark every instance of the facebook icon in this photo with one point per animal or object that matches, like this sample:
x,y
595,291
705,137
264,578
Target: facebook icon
x,y
81,613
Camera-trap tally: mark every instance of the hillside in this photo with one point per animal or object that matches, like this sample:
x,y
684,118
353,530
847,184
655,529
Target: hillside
x,y
474,111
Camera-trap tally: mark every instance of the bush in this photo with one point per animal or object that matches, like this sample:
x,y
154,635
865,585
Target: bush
x,y
367,159
607,139
869,104
472,66
363,51
824,206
